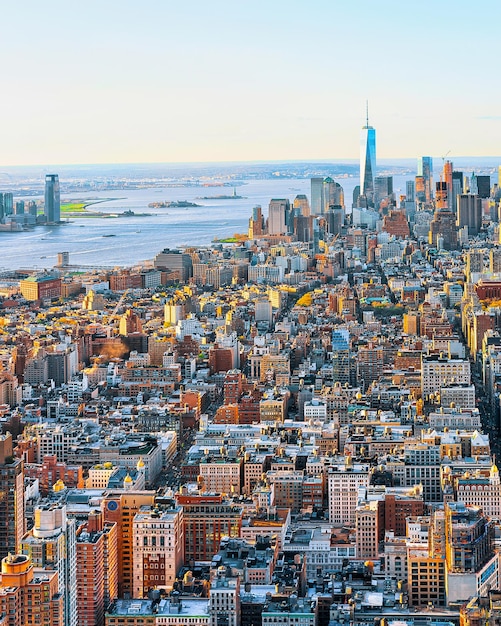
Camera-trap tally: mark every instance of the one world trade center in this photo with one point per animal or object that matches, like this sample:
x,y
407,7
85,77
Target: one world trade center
x,y
367,161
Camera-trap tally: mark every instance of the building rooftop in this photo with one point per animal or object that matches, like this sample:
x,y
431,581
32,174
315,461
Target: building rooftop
x,y
144,608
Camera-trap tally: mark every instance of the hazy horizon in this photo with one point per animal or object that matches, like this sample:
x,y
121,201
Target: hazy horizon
x,y
171,82
338,161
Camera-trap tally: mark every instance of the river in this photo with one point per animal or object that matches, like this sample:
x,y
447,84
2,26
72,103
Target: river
x,y
139,238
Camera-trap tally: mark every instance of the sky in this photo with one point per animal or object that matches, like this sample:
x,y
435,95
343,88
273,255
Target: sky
x,y
121,81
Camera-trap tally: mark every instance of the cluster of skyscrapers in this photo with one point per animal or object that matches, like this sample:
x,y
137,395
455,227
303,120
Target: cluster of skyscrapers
x,y
23,213
284,431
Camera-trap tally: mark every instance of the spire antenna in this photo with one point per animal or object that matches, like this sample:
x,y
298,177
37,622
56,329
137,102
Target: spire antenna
x,y
367,112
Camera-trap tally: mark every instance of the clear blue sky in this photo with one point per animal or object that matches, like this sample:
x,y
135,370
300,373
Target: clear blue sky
x,y
222,80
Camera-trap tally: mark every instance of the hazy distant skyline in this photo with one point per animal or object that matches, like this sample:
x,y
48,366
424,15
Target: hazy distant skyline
x,y
165,81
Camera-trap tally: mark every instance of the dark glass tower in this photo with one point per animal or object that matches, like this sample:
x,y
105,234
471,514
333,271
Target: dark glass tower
x,y
52,209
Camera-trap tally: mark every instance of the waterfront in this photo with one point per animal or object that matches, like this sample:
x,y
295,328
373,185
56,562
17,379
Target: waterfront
x,y
137,238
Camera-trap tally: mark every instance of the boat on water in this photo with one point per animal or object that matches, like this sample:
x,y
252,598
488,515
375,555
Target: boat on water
x,y
109,235
221,197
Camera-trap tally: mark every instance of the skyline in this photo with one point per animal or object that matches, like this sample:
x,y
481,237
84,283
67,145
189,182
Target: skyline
x,y
226,83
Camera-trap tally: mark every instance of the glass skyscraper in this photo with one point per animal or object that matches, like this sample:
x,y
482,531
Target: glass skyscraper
x,y
316,195
367,162
425,170
52,208
325,193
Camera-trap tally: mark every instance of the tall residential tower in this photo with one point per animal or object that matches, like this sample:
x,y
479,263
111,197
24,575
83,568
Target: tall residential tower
x,y
52,198
11,498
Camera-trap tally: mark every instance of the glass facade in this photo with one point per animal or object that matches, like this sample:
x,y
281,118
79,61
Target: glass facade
x,y
52,198
367,162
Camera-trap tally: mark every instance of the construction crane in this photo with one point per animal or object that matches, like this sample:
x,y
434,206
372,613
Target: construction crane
x,y
114,314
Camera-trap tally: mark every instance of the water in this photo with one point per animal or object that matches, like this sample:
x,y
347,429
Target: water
x,y
140,238
137,239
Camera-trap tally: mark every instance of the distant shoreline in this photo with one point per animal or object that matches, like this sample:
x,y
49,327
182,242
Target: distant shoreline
x,y
79,209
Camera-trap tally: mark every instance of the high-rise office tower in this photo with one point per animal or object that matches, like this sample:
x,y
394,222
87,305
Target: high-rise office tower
x,y
302,205
425,171
410,191
316,195
441,195
11,498
303,227
8,202
484,186
469,213
318,234
341,356
447,179
443,232
335,220
456,175
278,216
383,188
52,209
332,194
473,184
458,184
419,185
356,196
256,223
367,161
52,544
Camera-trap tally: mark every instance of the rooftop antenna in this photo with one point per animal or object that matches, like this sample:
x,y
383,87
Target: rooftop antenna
x,y
367,113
